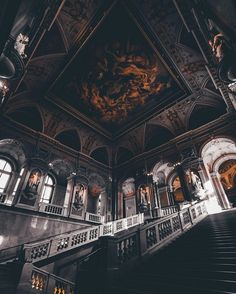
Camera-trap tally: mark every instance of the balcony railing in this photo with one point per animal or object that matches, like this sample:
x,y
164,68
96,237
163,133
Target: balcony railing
x,y
44,282
169,210
94,218
51,209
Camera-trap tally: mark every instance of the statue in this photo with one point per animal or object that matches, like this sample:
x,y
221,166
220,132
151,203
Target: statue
x,y
197,189
20,44
225,54
144,198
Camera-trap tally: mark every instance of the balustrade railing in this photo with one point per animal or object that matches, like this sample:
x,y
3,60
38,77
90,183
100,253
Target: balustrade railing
x,y
127,249
51,209
95,218
59,210
44,282
122,250
152,235
169,210
64,242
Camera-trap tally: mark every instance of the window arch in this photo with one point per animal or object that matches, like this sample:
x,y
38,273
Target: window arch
x,y
48,189
5,176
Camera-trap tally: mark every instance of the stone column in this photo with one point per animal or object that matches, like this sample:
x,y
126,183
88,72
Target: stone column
x,y
180,172
68,196
157,202
223,199
171,197
156,195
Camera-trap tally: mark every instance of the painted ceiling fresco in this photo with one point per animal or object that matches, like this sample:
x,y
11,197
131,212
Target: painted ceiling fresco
x,y
117,77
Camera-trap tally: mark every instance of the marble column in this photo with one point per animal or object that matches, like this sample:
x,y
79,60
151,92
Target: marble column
x,y
68,196
156,195
180,171
223,199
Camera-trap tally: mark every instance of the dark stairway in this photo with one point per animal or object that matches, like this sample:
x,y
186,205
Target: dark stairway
x,y
201,261
9,276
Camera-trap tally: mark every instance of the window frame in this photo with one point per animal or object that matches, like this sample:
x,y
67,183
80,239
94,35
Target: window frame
x,y
45,186
10,174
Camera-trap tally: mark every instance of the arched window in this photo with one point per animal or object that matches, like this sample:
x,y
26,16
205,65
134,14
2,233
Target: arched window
x,y
48,190
18,182
5,175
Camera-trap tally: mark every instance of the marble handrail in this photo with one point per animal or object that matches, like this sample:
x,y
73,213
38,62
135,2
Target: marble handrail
x,y
152,236
52,246
44,282
169,210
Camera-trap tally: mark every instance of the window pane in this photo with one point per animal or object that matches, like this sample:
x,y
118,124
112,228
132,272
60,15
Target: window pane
x,y
7,167
16,186
4,180
2,164
47,192
50,181
21,172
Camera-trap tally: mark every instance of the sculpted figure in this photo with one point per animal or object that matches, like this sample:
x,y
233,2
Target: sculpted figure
x,y
225,54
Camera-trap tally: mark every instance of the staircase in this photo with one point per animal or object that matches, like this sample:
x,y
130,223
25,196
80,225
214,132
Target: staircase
x,y
202,261
9,276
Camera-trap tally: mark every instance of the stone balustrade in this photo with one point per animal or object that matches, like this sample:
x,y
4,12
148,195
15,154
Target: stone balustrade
x,y
41,250
51,209
136,244
169,210
44,282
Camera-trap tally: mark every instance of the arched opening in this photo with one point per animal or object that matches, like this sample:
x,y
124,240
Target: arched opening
x,y
123,155
28,116
156,136
214,154
100,154
202,114
69,138
227,171
96,188
129,197
60,170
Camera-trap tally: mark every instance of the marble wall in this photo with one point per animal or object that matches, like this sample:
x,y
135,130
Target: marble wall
x,y
17,228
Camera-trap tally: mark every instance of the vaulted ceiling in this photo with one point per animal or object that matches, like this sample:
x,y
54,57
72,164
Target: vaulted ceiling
x,y
115,66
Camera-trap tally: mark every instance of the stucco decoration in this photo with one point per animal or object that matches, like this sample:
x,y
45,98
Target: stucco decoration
x,y
217,148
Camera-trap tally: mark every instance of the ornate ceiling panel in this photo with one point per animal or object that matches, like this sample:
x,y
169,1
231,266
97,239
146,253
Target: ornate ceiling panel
x,y
168,26
75,15
118,78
